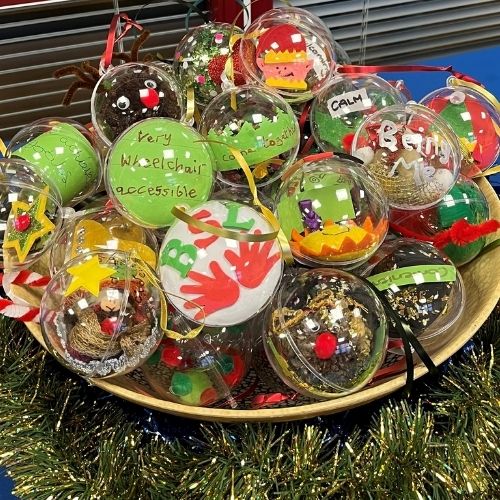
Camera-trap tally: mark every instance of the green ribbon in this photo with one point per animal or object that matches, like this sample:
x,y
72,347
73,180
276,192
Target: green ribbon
x,y
414,275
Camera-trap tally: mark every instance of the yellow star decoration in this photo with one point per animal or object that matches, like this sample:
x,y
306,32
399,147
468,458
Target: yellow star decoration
x,y
89,276
40,225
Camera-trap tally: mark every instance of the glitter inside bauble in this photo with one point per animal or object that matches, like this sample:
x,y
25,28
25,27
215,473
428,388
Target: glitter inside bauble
x,y
232,280
207,60
257,123
100,314
332,213
63,154
130,93
412,152
465,201
340,108
288,53
425,288
326,333
474,120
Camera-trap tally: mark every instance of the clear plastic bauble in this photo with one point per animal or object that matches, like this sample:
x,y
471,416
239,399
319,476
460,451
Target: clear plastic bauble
x,y
203,370
326,333
231,280
425,290
62,152
131,92
332,213
259,124
31,215
206,61
340,108
412,152
100,315
465,201
102,228
155,165
474,120
288,53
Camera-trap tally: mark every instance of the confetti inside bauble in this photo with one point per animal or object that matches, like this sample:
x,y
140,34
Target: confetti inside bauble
x,y
259,124
465,201
326,333
155,165
340,108
232,280
31,216
207,60
130,93
412,152
100,315
203,370
422,286
102,228
332,213
61,152
474,120
288,54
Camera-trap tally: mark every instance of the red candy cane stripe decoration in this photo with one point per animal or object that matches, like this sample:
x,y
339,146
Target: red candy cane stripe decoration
x,y
19,312
24,278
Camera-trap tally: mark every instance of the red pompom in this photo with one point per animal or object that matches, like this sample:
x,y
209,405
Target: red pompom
x,y
347,141
108,326
217,64
325,346
208,396
22,222
171,356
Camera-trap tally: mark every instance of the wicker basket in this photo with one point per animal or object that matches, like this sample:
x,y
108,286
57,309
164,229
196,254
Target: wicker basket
x,y
482,283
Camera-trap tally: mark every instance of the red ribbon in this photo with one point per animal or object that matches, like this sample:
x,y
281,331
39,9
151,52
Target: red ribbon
x,y
351,68
110,43
262,400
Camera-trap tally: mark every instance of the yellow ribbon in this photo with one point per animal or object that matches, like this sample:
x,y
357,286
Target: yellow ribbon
x,y
3,147
277,232
489,171
456,82
190,104
153,279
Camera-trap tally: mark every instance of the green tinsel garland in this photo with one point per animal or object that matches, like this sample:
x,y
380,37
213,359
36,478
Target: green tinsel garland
x,y
60,439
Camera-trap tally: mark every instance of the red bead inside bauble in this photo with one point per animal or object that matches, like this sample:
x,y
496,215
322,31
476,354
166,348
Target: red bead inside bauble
x,y
22,222
325,345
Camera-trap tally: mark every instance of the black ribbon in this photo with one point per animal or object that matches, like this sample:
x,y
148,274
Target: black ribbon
x,y
405,333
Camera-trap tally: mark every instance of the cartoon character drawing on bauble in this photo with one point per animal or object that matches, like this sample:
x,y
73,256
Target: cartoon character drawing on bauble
x,y
282,57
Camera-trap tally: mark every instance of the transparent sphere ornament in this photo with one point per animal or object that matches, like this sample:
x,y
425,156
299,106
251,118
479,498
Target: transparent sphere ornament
x,y
100,314
102,228
412,152
63,153
340,108
257,123
474,120
30,213
203,370
207,60
232,280
465,201
326,333
155,165
332,213
131,92
425,290
288,53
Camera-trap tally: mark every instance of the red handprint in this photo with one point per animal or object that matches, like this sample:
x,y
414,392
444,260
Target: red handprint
x,y
253,263
214,293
